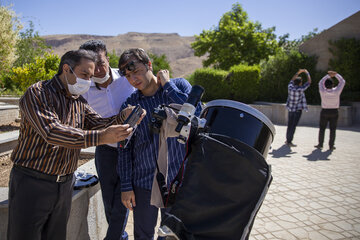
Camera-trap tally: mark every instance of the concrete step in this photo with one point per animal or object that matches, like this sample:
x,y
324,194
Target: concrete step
x,y
8,113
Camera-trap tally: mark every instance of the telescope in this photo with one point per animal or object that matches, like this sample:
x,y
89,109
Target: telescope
x,y
226,178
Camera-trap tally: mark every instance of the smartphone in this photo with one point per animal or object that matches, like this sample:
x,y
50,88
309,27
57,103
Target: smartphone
x,y
132,119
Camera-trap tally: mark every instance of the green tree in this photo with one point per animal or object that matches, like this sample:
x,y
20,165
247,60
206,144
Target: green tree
x,y
29,46
113,59
159,62
279,69
346,61
9,28
43,68
235,40
293,45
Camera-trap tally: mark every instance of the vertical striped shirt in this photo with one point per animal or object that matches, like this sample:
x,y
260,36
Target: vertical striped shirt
x,y
54,127
296,97
137,162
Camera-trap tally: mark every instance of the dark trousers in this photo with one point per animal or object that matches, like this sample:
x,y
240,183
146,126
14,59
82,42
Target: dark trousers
x,y
116,213
328,116
145,215
293,120
38,209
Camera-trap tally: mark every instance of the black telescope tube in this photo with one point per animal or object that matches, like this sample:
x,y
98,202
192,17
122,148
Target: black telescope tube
x,y
195,95
193,99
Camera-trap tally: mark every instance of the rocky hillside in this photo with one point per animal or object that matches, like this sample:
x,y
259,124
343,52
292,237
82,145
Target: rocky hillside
x,y
176,48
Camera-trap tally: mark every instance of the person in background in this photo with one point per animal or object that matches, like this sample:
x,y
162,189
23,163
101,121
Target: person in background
x,y
330,102
108,91
137,162
56,122
296,102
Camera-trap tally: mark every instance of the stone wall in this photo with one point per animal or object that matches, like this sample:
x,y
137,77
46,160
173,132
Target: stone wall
x,y
278,114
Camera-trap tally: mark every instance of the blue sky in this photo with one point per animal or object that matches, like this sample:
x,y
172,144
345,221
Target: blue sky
x,y
186,17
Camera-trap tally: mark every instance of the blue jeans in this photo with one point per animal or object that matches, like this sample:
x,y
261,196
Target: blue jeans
x,y
293,120
115,211
145,215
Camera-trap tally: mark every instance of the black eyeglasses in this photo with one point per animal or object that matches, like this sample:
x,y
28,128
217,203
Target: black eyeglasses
x,y
130,66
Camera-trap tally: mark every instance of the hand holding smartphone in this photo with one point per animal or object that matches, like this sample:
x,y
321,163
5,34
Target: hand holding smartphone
x,y
132,119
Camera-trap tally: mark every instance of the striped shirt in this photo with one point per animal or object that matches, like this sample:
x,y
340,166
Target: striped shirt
x,y
137,162
296,97
54,127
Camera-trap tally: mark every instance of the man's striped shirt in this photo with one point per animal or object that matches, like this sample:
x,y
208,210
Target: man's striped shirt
x,y
54,127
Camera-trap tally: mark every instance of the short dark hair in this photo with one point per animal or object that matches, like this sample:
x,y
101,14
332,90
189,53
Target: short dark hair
x,y
73,58
94,45
297,81
138,53
329,83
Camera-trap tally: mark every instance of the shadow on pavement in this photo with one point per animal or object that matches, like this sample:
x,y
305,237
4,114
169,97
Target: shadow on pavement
x,y
353,128
317,155
283,151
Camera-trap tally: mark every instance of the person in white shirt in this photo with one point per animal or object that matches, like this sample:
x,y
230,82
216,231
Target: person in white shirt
x,y
330,102
107,93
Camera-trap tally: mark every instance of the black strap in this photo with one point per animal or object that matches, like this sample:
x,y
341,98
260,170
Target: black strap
x,y
176,183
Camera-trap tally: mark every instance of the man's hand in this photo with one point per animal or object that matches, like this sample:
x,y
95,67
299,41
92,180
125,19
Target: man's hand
x,y
114,133
128,199
127,111
332,73
163,76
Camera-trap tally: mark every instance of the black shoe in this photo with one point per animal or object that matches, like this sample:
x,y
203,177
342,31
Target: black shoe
x,y
318,146
290,144
332,148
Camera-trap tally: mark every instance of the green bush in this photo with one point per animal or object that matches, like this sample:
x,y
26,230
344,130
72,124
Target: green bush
x,y
113,59
346,62
159,62
279,69
43,68
213,81
190,78
244,83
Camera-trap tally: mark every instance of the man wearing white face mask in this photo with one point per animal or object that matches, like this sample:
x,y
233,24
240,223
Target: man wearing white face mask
x,y
107,93
56,122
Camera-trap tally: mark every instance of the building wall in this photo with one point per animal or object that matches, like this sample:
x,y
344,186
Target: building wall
x,y
319,45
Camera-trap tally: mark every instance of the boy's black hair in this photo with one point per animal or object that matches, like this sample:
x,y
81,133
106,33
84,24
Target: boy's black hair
x,y
297,81
329,83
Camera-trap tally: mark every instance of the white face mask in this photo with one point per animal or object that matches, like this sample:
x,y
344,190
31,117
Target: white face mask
x,y
80,87
101,80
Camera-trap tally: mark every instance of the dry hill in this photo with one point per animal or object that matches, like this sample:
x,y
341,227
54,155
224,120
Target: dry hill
x,y
176,48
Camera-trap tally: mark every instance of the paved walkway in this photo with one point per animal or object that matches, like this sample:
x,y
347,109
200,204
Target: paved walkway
x,y
315,194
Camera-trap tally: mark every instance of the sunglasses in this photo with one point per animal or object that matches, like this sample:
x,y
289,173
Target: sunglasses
x,y
130,66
